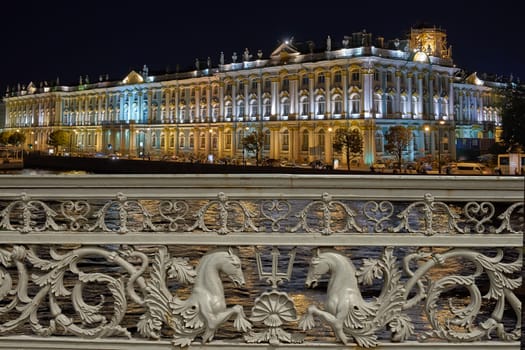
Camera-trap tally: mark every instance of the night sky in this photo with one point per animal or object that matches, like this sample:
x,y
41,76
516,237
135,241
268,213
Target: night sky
x,y
43,40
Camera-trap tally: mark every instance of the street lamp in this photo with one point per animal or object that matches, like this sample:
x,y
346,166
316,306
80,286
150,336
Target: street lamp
x,y
331,145
141,143
245,130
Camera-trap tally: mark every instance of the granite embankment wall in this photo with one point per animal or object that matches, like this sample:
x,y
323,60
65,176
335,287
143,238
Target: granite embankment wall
x,y
128,166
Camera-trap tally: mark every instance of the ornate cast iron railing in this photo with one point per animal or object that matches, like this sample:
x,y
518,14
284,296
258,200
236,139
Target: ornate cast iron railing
x,y
291,261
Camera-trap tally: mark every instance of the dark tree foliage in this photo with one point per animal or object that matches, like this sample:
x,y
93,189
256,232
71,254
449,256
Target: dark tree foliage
x,y
254,142
350,142
397,140
513,118
59,138
12,138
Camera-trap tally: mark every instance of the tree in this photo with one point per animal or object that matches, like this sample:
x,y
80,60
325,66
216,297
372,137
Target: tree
x,y
254,142
4,137
513,118
59,138
16,138
397,139
351,142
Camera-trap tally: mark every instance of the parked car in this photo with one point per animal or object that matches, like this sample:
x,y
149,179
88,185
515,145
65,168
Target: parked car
x,y
463,168
378,166
318,164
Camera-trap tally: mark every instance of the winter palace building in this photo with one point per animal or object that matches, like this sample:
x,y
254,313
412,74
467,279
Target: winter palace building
x,y
297,97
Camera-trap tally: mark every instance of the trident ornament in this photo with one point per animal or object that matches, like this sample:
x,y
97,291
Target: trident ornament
x,y
275,277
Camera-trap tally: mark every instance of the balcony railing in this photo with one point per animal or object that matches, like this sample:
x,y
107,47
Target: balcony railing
x,y
258,261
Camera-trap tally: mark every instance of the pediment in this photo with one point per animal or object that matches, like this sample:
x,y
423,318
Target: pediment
x,y
285,49
473,79
133,78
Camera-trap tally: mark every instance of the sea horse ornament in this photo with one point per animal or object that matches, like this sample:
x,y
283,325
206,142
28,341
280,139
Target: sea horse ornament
x,y
346,311
204,310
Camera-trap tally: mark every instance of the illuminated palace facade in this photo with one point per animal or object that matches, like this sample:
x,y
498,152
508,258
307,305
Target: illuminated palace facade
x,y
297,97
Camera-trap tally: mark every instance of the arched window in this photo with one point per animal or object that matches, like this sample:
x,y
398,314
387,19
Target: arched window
x,y
215,112
337,105
192,141
389,105
377,105
321,143
267,140
172,140
202,140
403,105
214,141
253,109
305,106
415,110
320,110
240,110
204,113
355,104
305,141
228,109
266,107
443,107
192,114
153,140
182,113
228,139
285,141
181,141
162,140
285,106
379,142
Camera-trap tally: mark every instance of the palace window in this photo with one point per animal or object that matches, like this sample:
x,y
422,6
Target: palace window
x,y
266,107
320,105
305,81
337,78
320,79
321,141
192,141
153,140
228,140
355,104
389,105
355,77
228,109
304,141
285,107
267,138
240,109
285,84
338,105
305,105
215,112
202,140
377,104
379,142
253,108
267,85
285,141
